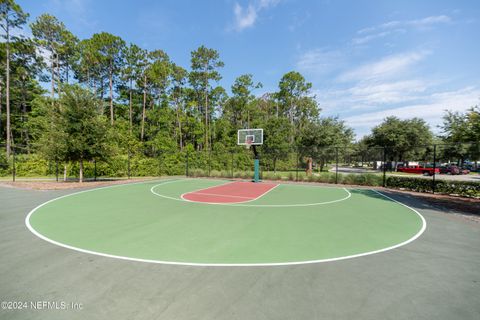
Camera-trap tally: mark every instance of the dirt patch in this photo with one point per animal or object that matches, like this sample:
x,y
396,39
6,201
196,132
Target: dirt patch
x,y
61,185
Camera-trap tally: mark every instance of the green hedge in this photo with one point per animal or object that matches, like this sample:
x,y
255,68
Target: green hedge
x,y
4,165
26,166
460,188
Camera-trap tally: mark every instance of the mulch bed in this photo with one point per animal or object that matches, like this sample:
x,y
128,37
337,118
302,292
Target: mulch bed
x,y
61,185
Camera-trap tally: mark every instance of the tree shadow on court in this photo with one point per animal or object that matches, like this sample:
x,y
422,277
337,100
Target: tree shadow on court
x,y
442,203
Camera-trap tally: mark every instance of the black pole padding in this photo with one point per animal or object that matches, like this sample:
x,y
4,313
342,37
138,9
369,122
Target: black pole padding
x,y
255,152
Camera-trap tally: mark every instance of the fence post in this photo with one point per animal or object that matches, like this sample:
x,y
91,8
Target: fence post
x,y
160,164
434,166
186,164
95,170
209,161
56,170
232,164
13,164
296,169
384,166
336,165
128,165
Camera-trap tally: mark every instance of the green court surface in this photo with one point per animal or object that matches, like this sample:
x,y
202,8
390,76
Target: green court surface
x,y
291,224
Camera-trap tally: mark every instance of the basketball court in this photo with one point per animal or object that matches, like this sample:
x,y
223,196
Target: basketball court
x,y
221,222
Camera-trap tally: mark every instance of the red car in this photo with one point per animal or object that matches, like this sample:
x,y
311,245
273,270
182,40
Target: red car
x,y
426,171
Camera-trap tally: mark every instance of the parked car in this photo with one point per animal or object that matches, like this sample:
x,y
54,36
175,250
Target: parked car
x,y
426,171
464,171
453,170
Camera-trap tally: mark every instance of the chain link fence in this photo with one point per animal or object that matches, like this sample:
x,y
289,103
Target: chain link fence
x,y
443,168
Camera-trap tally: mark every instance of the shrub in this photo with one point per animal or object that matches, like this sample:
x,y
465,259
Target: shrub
x,y
331,177
268,176
373,179
215,173
351,179
4,165
31,165
247,175
460,188
272,176
225,174
367,179
321,177
197,173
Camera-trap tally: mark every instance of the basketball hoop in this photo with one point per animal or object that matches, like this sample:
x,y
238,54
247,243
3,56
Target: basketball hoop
x,y
248,138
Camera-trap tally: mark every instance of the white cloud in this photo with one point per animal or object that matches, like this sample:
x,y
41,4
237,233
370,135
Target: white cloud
x,y
370,37
366,30
387,83
431,110
319,61
388,92
371,96
391,66
424,22
245,17
397,26
428,21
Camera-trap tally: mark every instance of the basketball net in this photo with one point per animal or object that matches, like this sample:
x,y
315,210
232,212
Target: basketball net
x,y
248,144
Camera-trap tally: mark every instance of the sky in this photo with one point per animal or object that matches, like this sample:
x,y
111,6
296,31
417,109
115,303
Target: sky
x,y
366,59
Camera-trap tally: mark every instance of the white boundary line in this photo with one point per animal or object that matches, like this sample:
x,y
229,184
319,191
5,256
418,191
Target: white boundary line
x,y
239,203
27,222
